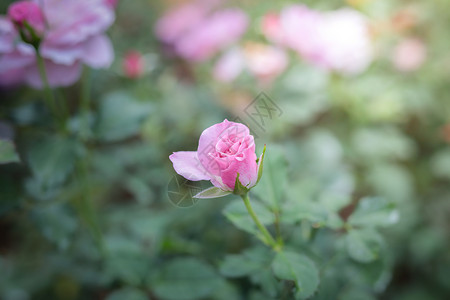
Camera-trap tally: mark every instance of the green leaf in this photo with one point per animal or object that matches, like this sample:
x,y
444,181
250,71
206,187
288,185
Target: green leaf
x,y
121,116
300,269
52,159
249,262
185,279
238,266
128,293
294,212
7,152
237,213
212,192
374,212
272,185
363,245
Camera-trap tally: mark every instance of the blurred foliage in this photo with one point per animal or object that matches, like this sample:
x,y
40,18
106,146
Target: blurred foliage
x,y
357,174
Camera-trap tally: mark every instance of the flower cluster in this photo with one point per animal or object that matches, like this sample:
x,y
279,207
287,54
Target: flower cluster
x,y
67,34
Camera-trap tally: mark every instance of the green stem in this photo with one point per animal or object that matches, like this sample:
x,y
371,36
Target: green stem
x,y
267,236
50,98
85,104
277,227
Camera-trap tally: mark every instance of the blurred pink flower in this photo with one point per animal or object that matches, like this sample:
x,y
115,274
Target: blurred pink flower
x,y
224,150
133,64
409,55
229,65
336,40
265,62
196,33
181,19
271,27
74,36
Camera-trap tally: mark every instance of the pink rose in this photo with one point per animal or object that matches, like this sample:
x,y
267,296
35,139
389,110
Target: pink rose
x,y
75,35
27,11
224,150
133,64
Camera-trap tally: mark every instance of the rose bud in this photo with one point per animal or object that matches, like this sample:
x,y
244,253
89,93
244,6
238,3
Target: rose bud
x,y
225,156
133,64
29,19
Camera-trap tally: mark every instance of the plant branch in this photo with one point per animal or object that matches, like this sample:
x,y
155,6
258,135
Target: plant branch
x,y
267,236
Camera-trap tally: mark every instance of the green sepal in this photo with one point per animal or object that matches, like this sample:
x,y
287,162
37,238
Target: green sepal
x,y
239,189
260,162
212,192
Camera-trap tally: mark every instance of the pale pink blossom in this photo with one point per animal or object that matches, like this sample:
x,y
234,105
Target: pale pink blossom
x,y
196,31
265,62
335,40
224,150
74,35
409,55
229,65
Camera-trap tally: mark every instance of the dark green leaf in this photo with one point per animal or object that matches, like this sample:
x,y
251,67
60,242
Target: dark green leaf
x,y
185,279
363,245
128,293
373,212
300,269
121,116
52,159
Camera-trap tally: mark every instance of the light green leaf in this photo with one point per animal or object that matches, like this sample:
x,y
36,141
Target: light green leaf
x,y
237,213
363,245
300,269
7,152
185,279
374,212
270,188
212,192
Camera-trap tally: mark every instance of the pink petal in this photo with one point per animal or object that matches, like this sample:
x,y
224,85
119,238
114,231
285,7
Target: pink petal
x,y
12,78
74,21
209,138
187,165
58,75
98,52
61,54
